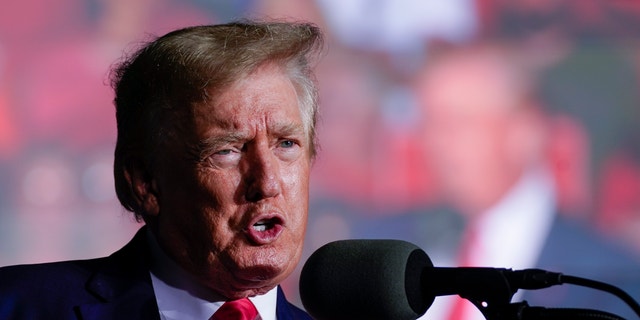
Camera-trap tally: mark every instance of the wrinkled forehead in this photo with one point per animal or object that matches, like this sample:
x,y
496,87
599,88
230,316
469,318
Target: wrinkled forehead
x,y
264,98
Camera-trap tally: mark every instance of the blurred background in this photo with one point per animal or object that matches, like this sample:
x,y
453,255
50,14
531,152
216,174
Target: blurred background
x,y
439,119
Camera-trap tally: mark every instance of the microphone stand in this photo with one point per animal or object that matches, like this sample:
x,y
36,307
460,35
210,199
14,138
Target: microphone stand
x,y
492,293
522,311
533,313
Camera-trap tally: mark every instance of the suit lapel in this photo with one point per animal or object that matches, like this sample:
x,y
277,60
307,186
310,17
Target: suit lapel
x,y
123,285
287,311
136,304
124,290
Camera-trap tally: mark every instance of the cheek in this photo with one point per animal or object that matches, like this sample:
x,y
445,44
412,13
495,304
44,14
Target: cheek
x,y
298,223
200,206
295,179
219,187
296,182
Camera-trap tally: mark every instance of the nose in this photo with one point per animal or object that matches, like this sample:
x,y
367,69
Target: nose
x,y
262,176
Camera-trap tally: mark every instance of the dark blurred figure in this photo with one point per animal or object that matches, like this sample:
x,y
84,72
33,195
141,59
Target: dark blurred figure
x,y
596,81
490,141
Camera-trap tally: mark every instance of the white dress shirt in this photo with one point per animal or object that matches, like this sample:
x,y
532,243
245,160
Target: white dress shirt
x,y
511,234
181,297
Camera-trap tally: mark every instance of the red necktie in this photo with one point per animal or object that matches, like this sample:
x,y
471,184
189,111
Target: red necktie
x,y
241,309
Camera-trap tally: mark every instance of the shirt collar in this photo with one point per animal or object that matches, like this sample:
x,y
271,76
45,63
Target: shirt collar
x,y
511,234
180,296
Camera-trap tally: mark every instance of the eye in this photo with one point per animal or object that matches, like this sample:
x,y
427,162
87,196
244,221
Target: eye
x,y
225,156
288,149
287,144
223,152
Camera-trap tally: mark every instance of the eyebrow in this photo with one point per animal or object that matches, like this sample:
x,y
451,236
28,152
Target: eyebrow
x,y
288,129
205,145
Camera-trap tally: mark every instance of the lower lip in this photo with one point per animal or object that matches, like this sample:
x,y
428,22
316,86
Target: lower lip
x,y
264,237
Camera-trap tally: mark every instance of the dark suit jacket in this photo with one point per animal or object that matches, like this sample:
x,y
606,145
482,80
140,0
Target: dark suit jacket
x,y
570,248
114,287
576,250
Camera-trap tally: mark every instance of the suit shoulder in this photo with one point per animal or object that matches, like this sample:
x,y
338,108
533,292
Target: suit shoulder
x,y
35,291
57,271
45,278
574,241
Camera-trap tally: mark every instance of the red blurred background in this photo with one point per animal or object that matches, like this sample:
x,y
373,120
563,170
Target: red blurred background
x,y
375,174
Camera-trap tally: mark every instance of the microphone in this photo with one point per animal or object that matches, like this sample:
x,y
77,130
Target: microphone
x,y
394,279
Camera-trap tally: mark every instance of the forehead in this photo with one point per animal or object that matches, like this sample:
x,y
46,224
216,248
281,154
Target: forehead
x,y
264,98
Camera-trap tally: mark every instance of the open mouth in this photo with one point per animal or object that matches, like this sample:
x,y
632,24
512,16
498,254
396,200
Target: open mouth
x,y
265,230
264,225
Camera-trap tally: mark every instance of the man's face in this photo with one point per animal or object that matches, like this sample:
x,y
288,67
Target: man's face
x,y
233,189
472,130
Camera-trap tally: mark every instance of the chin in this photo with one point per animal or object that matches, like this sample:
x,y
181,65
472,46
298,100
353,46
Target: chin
x,y
263,275
256,271
240,284
258,285
272,263
239,294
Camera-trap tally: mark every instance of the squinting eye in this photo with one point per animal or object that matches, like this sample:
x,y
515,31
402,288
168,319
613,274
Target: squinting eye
x,y
223,152
287,144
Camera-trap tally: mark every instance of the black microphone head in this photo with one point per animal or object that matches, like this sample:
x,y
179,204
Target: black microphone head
x,y
365,279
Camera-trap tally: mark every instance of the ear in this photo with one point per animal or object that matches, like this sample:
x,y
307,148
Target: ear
x,y
143,188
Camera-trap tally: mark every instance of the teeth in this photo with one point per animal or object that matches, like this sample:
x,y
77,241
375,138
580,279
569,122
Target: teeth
x,y
261,225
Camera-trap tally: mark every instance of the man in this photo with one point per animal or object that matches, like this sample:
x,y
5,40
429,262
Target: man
x,y
216,136
488,138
